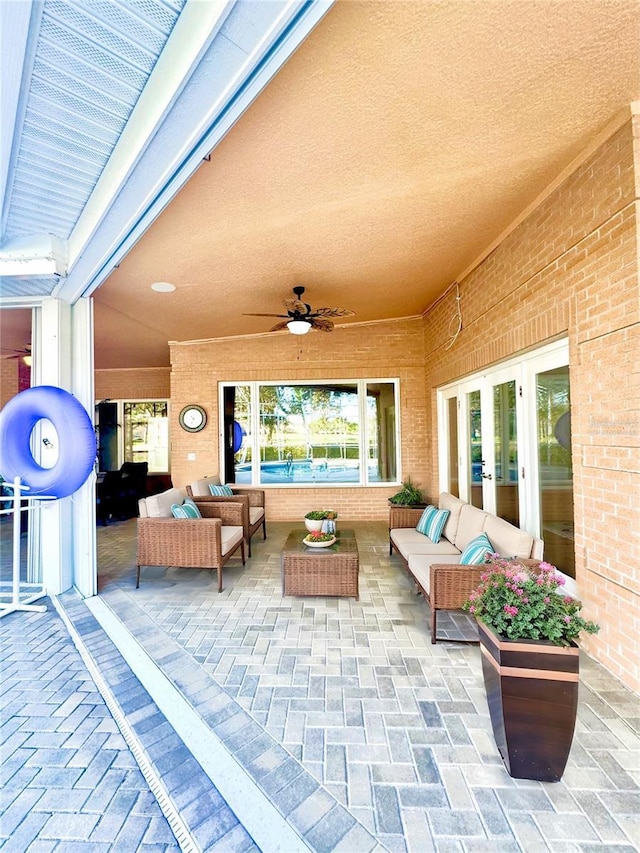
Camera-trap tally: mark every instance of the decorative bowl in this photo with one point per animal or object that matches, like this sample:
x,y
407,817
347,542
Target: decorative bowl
x,y
312,544
313,524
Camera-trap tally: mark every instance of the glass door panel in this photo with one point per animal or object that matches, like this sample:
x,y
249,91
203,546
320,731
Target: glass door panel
x,y
555,471
506,452
474,447
453,485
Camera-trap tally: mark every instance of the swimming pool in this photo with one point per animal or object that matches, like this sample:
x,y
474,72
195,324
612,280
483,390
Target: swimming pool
x,y
304,471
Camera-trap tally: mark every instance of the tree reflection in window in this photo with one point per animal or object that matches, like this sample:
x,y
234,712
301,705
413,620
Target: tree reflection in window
x,y
317,433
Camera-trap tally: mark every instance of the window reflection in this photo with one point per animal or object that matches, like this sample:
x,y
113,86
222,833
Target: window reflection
x,y
553,405
313,434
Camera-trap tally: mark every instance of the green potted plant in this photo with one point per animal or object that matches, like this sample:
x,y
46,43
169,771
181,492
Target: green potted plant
x,y
409,495
315,519
527,629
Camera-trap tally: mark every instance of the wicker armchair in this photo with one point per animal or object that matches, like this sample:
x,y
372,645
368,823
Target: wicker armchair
x,y
254,516
206,543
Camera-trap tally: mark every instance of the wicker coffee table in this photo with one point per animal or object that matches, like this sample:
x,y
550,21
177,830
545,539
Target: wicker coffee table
x,y
320,571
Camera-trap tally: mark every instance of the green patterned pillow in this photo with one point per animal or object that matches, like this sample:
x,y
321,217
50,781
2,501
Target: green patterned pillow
x,y
220,491
476,551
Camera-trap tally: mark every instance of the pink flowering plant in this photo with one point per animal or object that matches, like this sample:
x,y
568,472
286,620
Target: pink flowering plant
x,y
317,536
519,602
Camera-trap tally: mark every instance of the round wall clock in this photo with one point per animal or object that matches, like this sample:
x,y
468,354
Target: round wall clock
x,y
192,418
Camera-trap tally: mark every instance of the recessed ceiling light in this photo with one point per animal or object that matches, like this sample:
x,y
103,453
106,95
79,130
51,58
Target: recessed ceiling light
x,y
163,287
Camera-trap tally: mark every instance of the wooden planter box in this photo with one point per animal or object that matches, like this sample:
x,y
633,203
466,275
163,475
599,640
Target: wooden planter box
x,y
532,691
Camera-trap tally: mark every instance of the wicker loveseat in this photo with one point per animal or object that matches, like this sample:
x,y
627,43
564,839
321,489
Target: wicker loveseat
x,y
205,543
254,516
435,566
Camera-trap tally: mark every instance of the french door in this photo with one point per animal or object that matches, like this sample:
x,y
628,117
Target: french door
x,y
482,418
504,444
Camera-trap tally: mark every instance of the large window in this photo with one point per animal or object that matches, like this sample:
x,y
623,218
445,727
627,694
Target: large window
x,y
307,433
133,431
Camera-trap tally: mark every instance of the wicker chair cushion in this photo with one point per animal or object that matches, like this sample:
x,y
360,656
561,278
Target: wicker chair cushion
x,y
230,538
159,506
476,551
408,541
256,514
420,567
509,541
200,488
471,524
220,491
454,505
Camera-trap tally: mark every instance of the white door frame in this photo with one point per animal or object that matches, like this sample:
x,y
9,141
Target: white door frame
x,y
523,369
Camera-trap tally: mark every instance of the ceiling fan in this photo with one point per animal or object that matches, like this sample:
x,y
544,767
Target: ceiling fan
x,y
300,319
18,353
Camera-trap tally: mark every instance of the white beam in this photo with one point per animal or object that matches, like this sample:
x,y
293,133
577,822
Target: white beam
x,y
14,38
197,24
34,256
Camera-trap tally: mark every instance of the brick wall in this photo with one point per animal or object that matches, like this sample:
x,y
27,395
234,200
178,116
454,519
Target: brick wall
x,y
151,383
380,350
9,385
571,268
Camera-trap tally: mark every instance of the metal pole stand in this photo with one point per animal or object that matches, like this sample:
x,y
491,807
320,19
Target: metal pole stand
x,y
16,602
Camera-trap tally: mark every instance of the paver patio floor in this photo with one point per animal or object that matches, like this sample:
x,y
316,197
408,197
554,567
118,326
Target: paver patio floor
x,y
361,734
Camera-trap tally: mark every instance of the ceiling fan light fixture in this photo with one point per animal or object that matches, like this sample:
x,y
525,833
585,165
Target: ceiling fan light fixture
x,y
299,327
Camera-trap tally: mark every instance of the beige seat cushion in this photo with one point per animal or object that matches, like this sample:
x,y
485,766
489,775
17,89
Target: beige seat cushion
x,y
454,505
159,506
472,523
408,541
200,488
231,536
256,514
508,541
420,566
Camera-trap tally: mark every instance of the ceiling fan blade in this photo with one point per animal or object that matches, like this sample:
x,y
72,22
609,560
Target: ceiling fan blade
x,y
264,315
321,324
279,326
333,312
296,307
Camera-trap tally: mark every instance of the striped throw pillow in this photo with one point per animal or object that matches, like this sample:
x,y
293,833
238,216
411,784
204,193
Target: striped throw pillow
x,y
425,518
220,491
191,509
178,511
476,551
436,524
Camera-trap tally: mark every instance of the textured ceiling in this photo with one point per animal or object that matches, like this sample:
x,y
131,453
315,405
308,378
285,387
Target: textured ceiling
x,y
390,152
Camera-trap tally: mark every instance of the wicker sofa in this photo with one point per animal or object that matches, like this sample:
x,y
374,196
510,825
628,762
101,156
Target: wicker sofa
x,y
435,566
254,516
205,543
